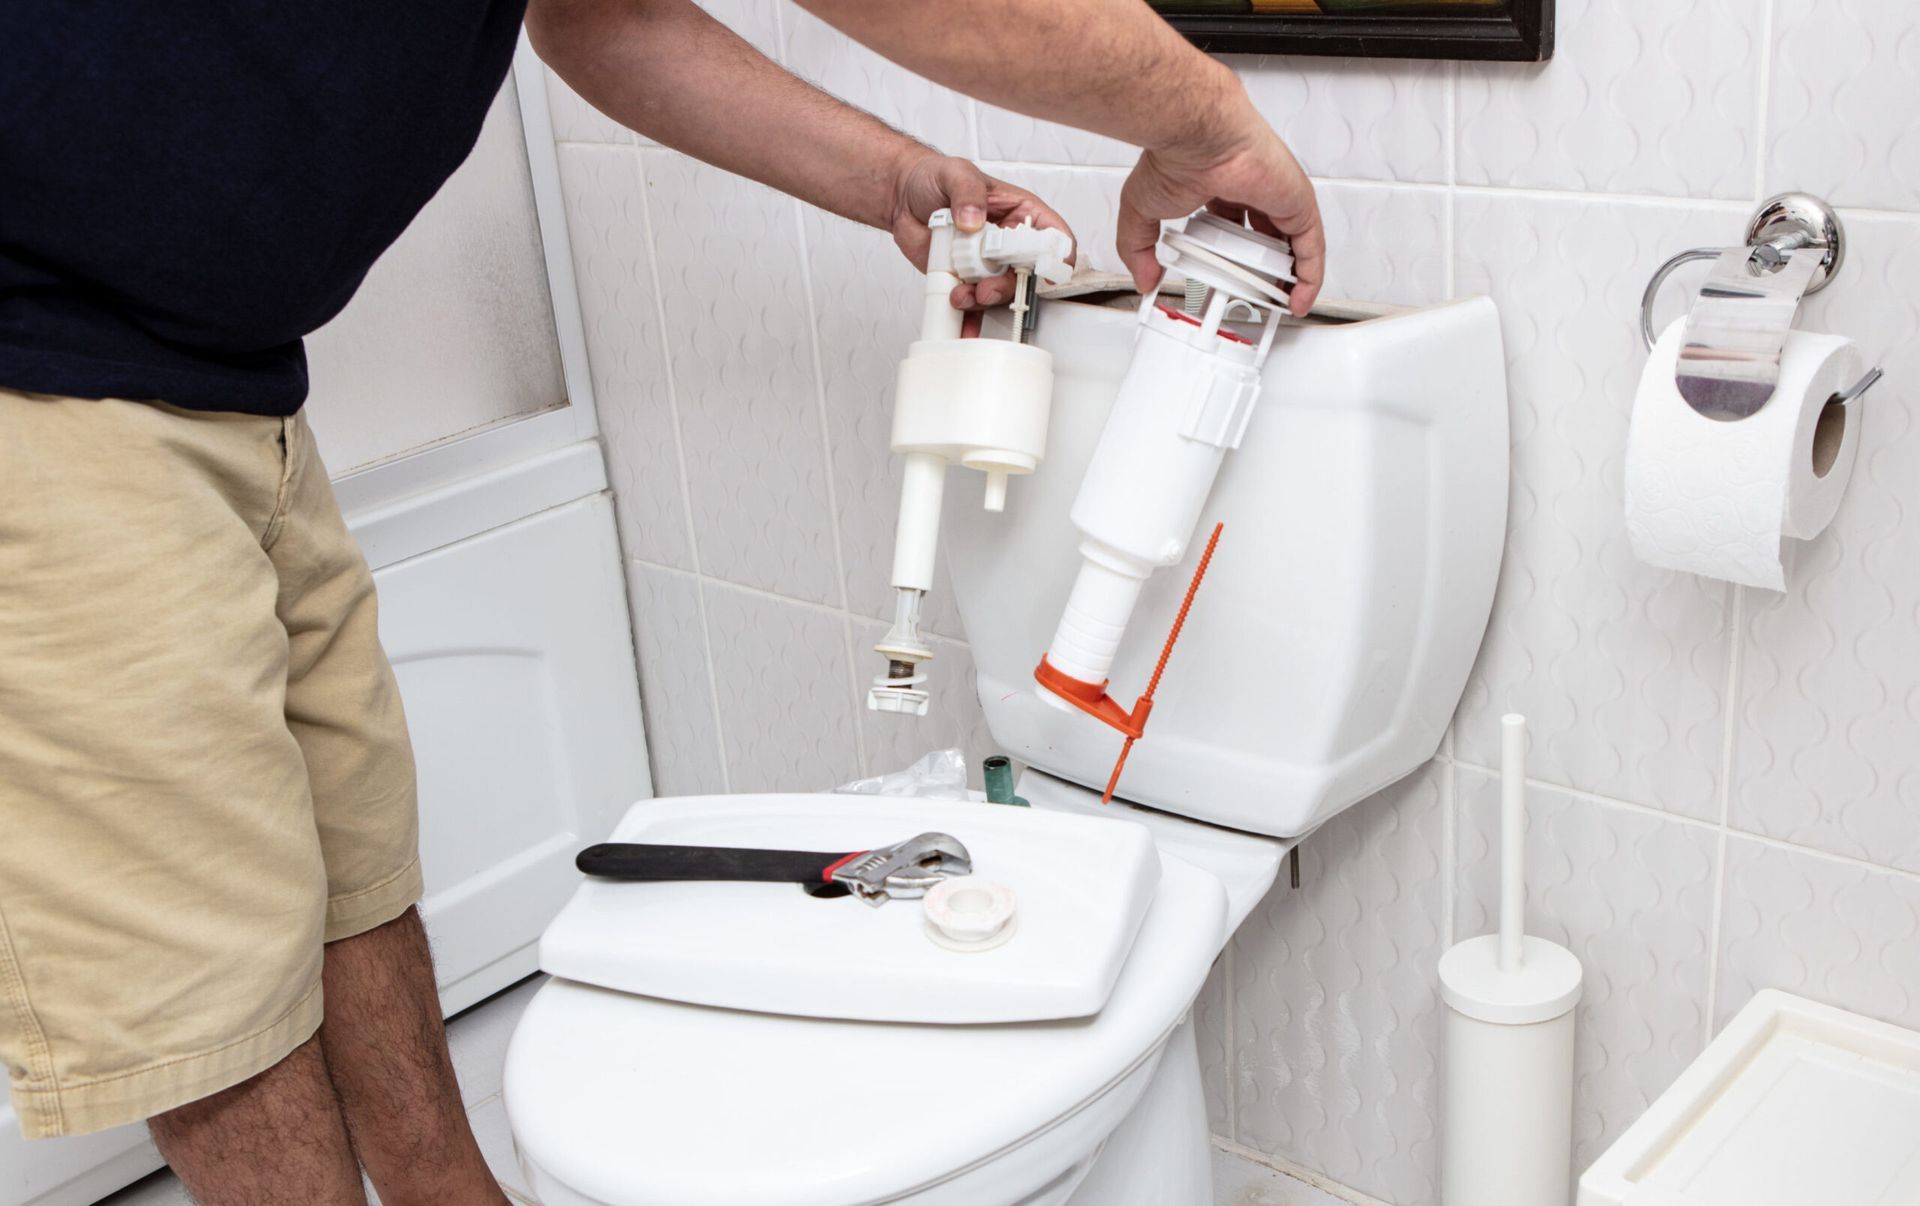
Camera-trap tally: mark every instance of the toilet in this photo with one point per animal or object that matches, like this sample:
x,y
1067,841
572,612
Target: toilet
x,y
730,1045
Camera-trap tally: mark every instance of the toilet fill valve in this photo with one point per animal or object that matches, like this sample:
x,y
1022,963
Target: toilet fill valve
x,y
982,403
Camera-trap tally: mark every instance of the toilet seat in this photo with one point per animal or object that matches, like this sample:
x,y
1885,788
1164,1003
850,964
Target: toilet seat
x,y
625,1099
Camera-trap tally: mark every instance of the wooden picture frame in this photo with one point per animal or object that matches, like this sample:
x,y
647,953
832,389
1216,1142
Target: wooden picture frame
x,y
1506,30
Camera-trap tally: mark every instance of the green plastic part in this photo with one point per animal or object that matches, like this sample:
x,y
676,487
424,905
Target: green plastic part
x,y
997,771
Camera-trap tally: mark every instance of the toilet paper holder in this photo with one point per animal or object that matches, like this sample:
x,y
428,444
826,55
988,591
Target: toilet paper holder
x,y
1729,360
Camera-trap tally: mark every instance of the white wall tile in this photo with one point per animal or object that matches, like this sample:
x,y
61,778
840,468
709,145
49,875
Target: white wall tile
x,y
1621,668
626,356
676,683
822,54
1365,119
1384,244
1642,96
1830,686
786,692
1336,1015
1834,931
742,362
1845,89
1211,1025
1630,893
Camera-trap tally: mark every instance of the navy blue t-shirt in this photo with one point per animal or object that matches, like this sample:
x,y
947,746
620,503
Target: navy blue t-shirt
x,y
188,189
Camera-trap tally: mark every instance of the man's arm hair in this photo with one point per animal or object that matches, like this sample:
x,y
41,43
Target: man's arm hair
x,y
668,70
1110,66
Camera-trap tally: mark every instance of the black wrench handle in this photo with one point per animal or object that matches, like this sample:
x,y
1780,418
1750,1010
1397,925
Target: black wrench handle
x,y
651,863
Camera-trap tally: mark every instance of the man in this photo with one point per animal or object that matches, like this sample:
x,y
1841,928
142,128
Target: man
x,y
207,825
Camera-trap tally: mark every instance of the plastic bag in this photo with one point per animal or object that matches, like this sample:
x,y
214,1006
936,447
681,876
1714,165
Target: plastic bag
x,y
940,775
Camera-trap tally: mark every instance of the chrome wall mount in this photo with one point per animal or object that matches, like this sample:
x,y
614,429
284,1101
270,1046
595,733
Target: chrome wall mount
x,y
1729,361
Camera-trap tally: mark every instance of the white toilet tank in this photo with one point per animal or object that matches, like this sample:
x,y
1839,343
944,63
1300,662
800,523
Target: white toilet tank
x,y
1365,513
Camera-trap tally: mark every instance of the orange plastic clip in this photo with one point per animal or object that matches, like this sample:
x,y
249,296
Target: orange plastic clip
x,y
1092,698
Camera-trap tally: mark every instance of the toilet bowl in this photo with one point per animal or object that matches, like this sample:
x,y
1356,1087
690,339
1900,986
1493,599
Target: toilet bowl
x,y
621,1098
1364,514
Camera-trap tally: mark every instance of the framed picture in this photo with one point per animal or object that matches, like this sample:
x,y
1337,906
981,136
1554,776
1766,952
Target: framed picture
x,y
1514,30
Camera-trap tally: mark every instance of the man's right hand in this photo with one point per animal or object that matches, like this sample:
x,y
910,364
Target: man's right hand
x,y
1247,173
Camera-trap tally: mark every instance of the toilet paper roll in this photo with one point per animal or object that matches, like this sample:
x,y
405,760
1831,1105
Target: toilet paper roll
x,y
1720,498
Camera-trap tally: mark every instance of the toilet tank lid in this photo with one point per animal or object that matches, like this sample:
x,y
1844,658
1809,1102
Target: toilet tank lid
x,y
1081,887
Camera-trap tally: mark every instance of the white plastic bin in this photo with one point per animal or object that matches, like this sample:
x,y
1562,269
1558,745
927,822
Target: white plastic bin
x,y
1795,1104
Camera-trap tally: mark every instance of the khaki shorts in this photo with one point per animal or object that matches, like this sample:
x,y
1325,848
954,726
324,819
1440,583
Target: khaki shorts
x,y
204,769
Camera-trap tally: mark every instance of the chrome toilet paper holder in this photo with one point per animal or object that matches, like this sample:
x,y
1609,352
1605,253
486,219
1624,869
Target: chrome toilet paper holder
x,y
1730,349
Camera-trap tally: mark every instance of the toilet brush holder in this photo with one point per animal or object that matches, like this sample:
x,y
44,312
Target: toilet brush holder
x,y
1507,1096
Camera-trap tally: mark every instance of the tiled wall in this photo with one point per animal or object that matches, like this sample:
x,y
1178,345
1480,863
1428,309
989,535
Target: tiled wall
x,y
1728,781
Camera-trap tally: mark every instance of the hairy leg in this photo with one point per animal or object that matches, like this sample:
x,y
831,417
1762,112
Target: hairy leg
x,y
387,1052
275,1140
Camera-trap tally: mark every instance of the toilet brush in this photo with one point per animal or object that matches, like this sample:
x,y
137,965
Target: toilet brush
x,y
1507,1099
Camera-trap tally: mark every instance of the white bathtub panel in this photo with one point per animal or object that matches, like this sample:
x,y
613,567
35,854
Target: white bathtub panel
x,y
514,658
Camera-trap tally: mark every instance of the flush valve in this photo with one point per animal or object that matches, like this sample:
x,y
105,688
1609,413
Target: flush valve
x,y
1184,403
981,403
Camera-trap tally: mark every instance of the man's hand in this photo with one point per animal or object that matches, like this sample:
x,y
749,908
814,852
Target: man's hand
x,y
1251,176
1116,68
930,181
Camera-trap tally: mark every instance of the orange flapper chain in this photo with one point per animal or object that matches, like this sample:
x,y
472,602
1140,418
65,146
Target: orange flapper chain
x,y
1166,651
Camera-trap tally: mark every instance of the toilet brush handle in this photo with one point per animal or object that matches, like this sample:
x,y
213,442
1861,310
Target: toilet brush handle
x,y
661,864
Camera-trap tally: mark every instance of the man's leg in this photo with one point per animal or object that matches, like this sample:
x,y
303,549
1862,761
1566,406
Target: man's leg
x,y
387,1052
277,1138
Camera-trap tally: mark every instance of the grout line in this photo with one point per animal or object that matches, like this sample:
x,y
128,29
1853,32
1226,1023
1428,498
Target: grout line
x,y
994,166
1590,796
1730,205
680,462
1298,1172
1449,205
1763,92
1729,736
808,604
859,705
1453,123
1762,839
1449,849
808,294
1740,206
779,52
820,403
1231,1088
713,684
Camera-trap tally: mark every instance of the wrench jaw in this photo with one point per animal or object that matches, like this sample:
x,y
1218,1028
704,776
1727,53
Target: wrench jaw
x,y
904,870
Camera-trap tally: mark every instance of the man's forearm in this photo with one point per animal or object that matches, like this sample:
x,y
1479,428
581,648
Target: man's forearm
x,y
668,70
1110,66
